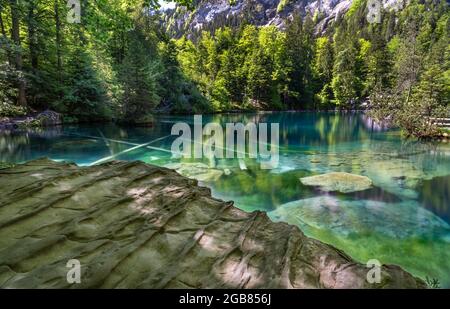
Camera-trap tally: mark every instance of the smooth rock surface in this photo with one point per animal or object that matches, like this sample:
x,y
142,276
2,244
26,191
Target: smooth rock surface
x,y
198,171
338,181
133,225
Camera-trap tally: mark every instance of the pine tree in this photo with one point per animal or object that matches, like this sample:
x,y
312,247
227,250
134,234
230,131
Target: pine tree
x,y
139,76
346,83
323,70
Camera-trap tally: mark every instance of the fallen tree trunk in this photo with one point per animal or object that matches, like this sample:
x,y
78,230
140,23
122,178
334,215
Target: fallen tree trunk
x,y
133,225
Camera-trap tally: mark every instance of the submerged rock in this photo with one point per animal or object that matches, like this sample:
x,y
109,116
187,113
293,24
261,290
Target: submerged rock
x,y
133,225
198,171
401,233
338,181
362,217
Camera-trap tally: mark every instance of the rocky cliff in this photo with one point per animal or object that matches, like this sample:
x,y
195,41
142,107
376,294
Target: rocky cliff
x,y
212,14
132,225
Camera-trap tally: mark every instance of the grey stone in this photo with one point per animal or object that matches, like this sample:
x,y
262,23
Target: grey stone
x,y
49,118
338,181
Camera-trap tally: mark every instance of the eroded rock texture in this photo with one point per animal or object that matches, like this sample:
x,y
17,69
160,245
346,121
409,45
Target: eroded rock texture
x,y
132,225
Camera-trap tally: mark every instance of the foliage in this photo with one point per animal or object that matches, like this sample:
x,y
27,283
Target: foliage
x,y
323,71
10,110
119,63
433,282
419,90
107,66
251,67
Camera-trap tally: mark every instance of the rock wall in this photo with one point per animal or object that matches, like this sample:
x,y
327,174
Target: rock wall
x,y
209,15
133,225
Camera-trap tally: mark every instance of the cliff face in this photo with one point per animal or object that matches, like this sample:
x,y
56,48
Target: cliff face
x,y
212,14
132,225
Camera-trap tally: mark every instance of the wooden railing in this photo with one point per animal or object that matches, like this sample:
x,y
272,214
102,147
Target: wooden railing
x,y
441,122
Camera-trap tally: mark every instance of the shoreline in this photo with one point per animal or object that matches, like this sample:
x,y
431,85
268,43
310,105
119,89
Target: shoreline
x,y
17,122
50,118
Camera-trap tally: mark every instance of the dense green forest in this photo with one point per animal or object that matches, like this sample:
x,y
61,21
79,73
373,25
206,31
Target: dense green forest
x,y
300,69
118,63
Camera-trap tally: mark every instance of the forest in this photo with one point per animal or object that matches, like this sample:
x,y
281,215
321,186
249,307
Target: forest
x,y
115,64
119,63
108,178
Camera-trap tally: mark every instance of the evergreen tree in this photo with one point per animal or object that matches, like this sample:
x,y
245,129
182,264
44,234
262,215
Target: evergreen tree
x,y
299,49
139,77
346,82
323,70
84,96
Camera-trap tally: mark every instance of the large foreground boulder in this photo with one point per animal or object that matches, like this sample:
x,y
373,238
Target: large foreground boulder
x,y
133,225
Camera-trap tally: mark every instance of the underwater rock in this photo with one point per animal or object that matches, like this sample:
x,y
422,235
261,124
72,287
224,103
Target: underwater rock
x,y
401,233
198,171
362,217
133,225
397,172
402,176
338,181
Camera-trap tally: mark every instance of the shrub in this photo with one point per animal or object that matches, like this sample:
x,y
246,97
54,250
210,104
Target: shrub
x,y
9,110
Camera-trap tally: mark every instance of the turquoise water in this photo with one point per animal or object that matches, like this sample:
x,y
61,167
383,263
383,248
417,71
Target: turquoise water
x,y
402,219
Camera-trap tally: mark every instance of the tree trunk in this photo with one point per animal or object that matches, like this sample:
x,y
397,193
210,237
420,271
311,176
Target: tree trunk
x,y
58,38
15,36
32,39
5,36
2,25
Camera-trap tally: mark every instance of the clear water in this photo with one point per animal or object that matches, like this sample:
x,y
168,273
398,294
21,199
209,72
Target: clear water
x,y
403,219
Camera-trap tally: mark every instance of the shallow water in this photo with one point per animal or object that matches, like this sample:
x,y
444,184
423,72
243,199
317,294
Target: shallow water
x,y
403,219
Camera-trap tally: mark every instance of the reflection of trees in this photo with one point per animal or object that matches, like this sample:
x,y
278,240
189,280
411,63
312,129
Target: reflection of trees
x,y
45,133
14,147
372,125
317,129
435,196
298,128
337,128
